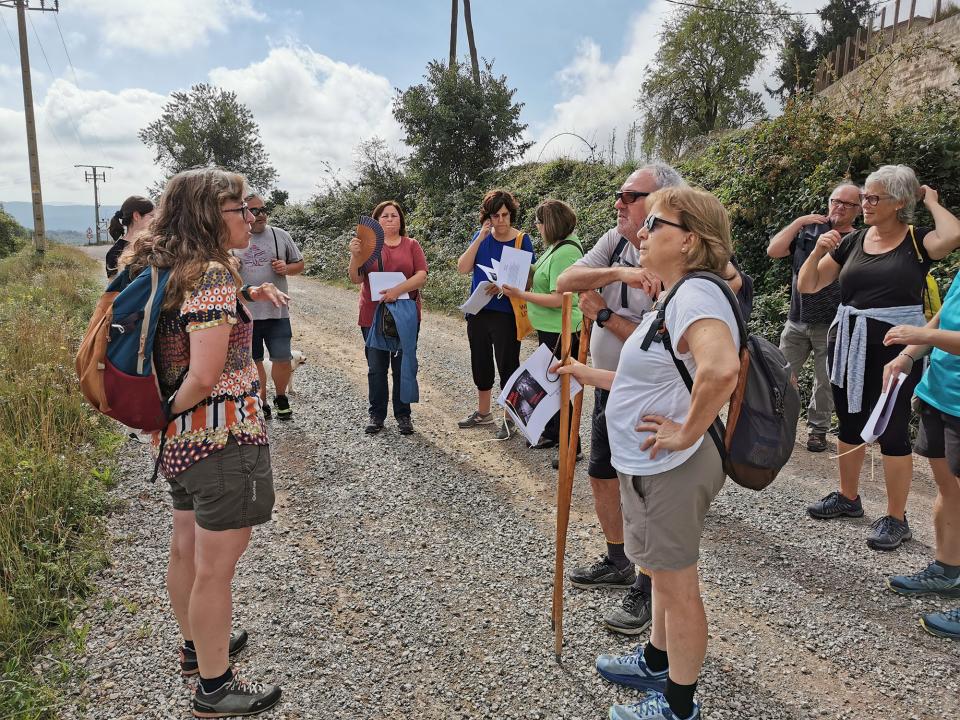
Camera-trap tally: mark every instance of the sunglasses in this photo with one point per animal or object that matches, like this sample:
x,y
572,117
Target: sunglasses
x,y
651,223
628,197
872,200
242,209
835,202
258,211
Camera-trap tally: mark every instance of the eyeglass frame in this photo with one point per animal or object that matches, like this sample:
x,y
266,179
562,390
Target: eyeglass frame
x,y
637,194
244,208
872,200
843,203
650,223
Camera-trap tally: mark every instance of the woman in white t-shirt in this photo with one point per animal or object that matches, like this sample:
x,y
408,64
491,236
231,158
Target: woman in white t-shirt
x,y
669,469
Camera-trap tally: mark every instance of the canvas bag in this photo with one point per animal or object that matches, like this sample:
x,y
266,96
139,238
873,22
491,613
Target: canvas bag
x,y
931,291
761,427
524,327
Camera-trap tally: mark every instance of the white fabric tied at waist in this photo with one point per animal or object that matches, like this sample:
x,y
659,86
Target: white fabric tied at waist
x,y
850,351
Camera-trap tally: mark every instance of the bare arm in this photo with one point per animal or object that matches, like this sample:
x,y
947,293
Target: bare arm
x,y
945,237
585,374
820,269
414,282
577,278
466,261
208,355
780,243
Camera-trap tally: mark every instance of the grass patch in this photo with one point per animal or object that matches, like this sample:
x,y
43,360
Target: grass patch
x,y
55,453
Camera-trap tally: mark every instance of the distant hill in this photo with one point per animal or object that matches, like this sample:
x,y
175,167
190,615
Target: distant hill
x,y
59,216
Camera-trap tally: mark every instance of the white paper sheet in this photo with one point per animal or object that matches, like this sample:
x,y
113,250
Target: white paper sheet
x,y
880,416
514,268
532,394
384,281
478,299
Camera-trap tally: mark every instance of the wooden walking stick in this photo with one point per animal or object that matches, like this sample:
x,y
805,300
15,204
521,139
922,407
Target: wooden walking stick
x,y
569,432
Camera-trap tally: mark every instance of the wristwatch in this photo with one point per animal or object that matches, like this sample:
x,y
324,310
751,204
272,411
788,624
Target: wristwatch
x,y
245,293
603,316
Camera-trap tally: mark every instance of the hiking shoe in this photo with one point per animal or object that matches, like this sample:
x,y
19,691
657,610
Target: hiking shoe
x,y
543,444
887,533
374,426
267,411
834,505
945,624
506,429
929,581
633,616
603,573
283,407
188,658
405,424
652,707
476,419
817,442
631,670
555,463
237,697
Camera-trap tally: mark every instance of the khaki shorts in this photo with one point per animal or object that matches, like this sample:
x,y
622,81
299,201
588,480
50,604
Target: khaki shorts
x,y
663,514
231,489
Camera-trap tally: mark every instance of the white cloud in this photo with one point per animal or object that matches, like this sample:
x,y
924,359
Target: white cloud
x,y
311,109
168,26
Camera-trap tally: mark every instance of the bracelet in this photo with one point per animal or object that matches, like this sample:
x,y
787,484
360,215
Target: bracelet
x,y
912,358
245,293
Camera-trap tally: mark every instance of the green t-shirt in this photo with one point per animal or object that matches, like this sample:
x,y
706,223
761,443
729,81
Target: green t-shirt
x,y
546,270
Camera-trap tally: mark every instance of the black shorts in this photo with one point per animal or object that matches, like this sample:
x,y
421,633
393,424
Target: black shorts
x,y
600,467
276,334
939,436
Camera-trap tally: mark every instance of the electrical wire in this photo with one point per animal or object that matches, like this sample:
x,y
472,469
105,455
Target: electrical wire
x,y
76,79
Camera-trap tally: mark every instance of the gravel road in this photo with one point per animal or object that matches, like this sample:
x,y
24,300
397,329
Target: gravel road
x,y
411,576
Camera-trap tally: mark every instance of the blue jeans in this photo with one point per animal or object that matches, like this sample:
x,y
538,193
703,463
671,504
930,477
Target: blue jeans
x,y
379,362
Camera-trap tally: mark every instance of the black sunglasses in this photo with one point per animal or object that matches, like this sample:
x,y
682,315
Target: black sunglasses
x,y
258,211
629,196
651,223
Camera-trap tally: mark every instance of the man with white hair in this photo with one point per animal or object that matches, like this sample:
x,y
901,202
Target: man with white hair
x,y
809,319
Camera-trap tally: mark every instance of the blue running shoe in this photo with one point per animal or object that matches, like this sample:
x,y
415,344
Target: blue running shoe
x,y
631,670
945,624
930,580
653,707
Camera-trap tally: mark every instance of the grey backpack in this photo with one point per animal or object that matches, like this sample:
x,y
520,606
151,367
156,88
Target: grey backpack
x,y
764,409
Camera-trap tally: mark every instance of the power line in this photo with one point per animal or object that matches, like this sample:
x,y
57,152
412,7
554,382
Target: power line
x,y
73,122
12,44
76,79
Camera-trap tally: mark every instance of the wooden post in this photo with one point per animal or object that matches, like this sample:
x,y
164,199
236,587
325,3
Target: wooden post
x,y
869,36
913,11
936,13
896,20
847,55
839,65
858,49
883,21
564,478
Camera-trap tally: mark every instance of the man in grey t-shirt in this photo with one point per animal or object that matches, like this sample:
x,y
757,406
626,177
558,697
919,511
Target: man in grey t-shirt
x,y
271,256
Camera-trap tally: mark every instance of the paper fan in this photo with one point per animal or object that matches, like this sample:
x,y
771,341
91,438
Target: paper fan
x,y
371,240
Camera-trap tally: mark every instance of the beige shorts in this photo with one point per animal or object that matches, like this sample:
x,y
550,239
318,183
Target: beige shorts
x,y
231,489
663,514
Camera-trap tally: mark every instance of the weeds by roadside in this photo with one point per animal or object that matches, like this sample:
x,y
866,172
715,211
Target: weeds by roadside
x,y
55,457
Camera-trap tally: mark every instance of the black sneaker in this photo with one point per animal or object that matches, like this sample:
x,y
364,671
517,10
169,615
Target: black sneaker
x,y
405,425
374,426
267,411
283,407
603,573
237,697
505,430
887,533
188,658
834,505
633,616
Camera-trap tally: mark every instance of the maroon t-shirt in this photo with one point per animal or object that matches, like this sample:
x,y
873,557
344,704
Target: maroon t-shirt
x,y
408,258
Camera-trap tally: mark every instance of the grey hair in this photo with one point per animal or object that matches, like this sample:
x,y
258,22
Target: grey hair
x,y
663,175
900,181
845,183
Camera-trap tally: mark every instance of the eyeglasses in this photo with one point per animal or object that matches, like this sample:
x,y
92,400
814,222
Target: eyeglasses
x,y
629,197
242,209
872,200
258,211
651,223
836,202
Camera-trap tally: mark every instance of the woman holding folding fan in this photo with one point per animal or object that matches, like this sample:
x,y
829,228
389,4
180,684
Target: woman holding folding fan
x,y
399,254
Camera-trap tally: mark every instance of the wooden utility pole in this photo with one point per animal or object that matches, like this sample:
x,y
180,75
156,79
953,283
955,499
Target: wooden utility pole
x,y
474,64
39,229
95,176
454,8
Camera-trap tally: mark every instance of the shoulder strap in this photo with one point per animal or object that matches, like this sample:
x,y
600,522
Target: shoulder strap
x,y
518,241
916,248
617,251
658,326
276,246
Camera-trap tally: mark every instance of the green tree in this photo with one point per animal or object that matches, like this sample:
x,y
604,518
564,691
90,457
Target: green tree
x,y
458,130
697,83
209,126
797,63
12,234
840,20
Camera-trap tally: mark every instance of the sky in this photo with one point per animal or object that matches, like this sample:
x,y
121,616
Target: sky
x,y
318,76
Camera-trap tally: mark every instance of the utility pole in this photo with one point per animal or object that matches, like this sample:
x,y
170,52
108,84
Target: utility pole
x,y
39,230
95,176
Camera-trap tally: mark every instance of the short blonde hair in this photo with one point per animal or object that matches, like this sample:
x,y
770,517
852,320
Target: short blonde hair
x,y
703,215
558,219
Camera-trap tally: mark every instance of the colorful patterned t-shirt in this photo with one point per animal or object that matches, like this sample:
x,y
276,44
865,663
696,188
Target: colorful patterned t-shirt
x,y
233,407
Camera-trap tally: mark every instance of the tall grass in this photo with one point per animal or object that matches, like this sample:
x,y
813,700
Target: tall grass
x,y
54,467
